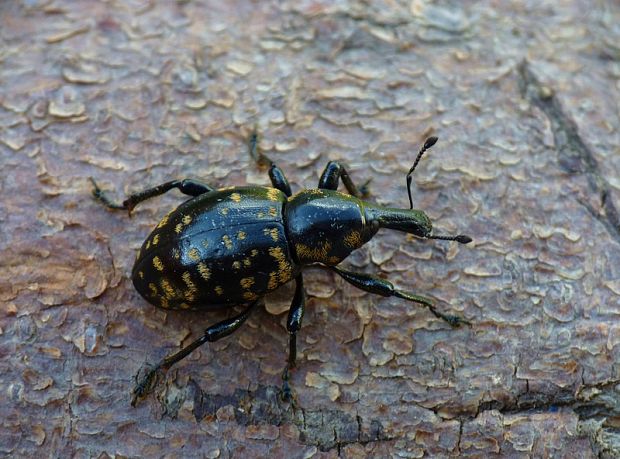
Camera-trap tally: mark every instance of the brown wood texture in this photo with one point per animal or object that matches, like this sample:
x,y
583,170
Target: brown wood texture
x,y
525,99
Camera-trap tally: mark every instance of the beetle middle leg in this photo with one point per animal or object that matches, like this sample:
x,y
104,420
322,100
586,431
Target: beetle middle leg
x,y
293,324
147,382
186,186
335,171
374,284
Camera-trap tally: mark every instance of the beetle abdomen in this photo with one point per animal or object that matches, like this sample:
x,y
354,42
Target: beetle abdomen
x,y
221,248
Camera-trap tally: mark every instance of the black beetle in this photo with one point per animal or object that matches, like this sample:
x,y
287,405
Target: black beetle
x,y
231,246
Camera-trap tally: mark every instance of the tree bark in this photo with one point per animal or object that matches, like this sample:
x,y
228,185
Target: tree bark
x,y
524,98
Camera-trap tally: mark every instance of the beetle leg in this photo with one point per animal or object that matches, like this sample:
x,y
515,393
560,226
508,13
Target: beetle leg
x,y
383,287
147,382
187,186
278,180
334,171
277,177
293,324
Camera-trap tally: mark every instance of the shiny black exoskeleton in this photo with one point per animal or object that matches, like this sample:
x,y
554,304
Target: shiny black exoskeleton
x,y
231,246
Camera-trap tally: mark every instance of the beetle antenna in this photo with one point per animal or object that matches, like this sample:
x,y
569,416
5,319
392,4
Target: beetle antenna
x,y
462,238
427,144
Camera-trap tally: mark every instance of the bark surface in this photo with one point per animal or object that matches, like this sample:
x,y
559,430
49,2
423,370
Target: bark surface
x,y
525,100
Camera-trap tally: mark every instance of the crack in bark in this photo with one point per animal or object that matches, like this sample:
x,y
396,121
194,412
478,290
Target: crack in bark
x,y
324,428
603,401
574,156
330,429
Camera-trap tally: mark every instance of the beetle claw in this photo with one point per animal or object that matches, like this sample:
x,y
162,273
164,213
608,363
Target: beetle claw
x,y
145,383
100,196
129,205
455,321
286,392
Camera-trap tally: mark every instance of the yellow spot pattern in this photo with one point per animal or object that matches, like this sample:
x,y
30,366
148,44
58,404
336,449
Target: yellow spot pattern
x,y
241,235
247,262
141,274
169,291
193,254
235,197
227,241
187,219
164,303
246,282
219,290
164,221
249,296
319,253
273,280
236,265
284,267
254,252
273,194
273,212
272,232
153,289
204,271
260,214
190,293
353,240
159,266
178,228
156,239
224,210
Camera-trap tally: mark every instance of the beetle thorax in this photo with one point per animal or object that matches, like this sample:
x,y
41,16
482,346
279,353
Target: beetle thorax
x,y
325,226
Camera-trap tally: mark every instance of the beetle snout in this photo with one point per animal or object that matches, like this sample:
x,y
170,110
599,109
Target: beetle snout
x,y
413,221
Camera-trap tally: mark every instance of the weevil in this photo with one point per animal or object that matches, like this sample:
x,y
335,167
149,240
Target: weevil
x,y
231,246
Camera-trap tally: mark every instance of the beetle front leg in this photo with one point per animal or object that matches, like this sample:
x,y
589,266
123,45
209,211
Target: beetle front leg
x,y
293,324
149,381
187,186
334,171
373,284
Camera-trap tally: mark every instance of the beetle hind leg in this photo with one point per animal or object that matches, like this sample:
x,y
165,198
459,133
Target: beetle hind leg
x,y
373,284
276,175
186,186
146,382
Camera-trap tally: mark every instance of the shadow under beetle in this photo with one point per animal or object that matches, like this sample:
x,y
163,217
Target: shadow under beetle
x,y
231,246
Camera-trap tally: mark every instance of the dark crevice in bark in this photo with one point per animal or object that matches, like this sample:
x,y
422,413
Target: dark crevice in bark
x,y
324,428
574,155
329,429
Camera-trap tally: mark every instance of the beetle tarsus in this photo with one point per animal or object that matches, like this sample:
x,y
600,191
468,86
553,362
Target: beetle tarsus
x,y
453,321
146,383
287,395
258,156
100,196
